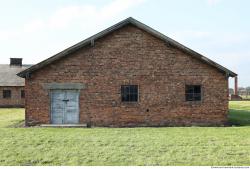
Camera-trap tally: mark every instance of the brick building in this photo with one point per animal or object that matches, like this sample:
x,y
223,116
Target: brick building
x,y
12,86
127,75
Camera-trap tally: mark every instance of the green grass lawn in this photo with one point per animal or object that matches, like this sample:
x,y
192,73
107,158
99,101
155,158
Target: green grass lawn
x,y
125,146
239,113
11,117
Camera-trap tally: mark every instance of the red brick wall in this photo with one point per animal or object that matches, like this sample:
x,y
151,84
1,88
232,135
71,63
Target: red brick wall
x,y
15,100
132,56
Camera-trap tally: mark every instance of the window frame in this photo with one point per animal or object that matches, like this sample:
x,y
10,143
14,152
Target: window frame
x,y
129,101
5,95
193,93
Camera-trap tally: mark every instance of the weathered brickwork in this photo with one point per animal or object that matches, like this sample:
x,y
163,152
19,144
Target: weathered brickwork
x,y
15,100
132,56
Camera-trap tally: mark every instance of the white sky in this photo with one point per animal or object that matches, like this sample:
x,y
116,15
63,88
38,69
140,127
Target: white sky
x,y
218,29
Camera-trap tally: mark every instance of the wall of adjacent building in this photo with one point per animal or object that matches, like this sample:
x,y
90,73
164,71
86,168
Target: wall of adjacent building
x,y
15,100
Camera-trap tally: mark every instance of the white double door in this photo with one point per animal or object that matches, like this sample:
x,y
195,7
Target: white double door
x,y
64,106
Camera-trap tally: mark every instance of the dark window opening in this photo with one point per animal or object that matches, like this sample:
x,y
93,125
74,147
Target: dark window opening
x,y
129,93
193,93
6,94
22,94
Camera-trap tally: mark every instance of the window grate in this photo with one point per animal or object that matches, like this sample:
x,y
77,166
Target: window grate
x,y
6,94
129,93
193,92
22,94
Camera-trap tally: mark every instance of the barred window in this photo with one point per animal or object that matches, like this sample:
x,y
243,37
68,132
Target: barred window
x,y
129,93
22,94
193,92
6,94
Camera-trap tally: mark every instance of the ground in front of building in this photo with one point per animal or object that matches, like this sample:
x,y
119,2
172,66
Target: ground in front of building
x,y
126,146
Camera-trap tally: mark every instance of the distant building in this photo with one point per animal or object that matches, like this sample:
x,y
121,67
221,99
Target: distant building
x,y
11,86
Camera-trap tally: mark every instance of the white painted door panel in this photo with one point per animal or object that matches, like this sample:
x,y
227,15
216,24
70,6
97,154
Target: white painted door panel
x,y
65,107
57,107
72,115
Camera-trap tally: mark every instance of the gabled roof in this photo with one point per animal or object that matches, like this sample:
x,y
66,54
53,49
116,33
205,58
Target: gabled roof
x,y
9,77
123,23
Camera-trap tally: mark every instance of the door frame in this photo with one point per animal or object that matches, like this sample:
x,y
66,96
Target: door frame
x,y
64,86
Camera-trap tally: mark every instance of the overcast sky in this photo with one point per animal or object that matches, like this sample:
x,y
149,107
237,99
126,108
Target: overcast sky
x,y
218,29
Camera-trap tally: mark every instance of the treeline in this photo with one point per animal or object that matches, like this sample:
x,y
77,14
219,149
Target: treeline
x,y
242,91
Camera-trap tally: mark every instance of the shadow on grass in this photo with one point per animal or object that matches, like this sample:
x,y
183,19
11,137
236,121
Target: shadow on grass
x,y
16,124
239,117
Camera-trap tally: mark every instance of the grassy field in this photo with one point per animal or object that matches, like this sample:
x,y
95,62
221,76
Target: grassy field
x,y
126,146
239,113
11,117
